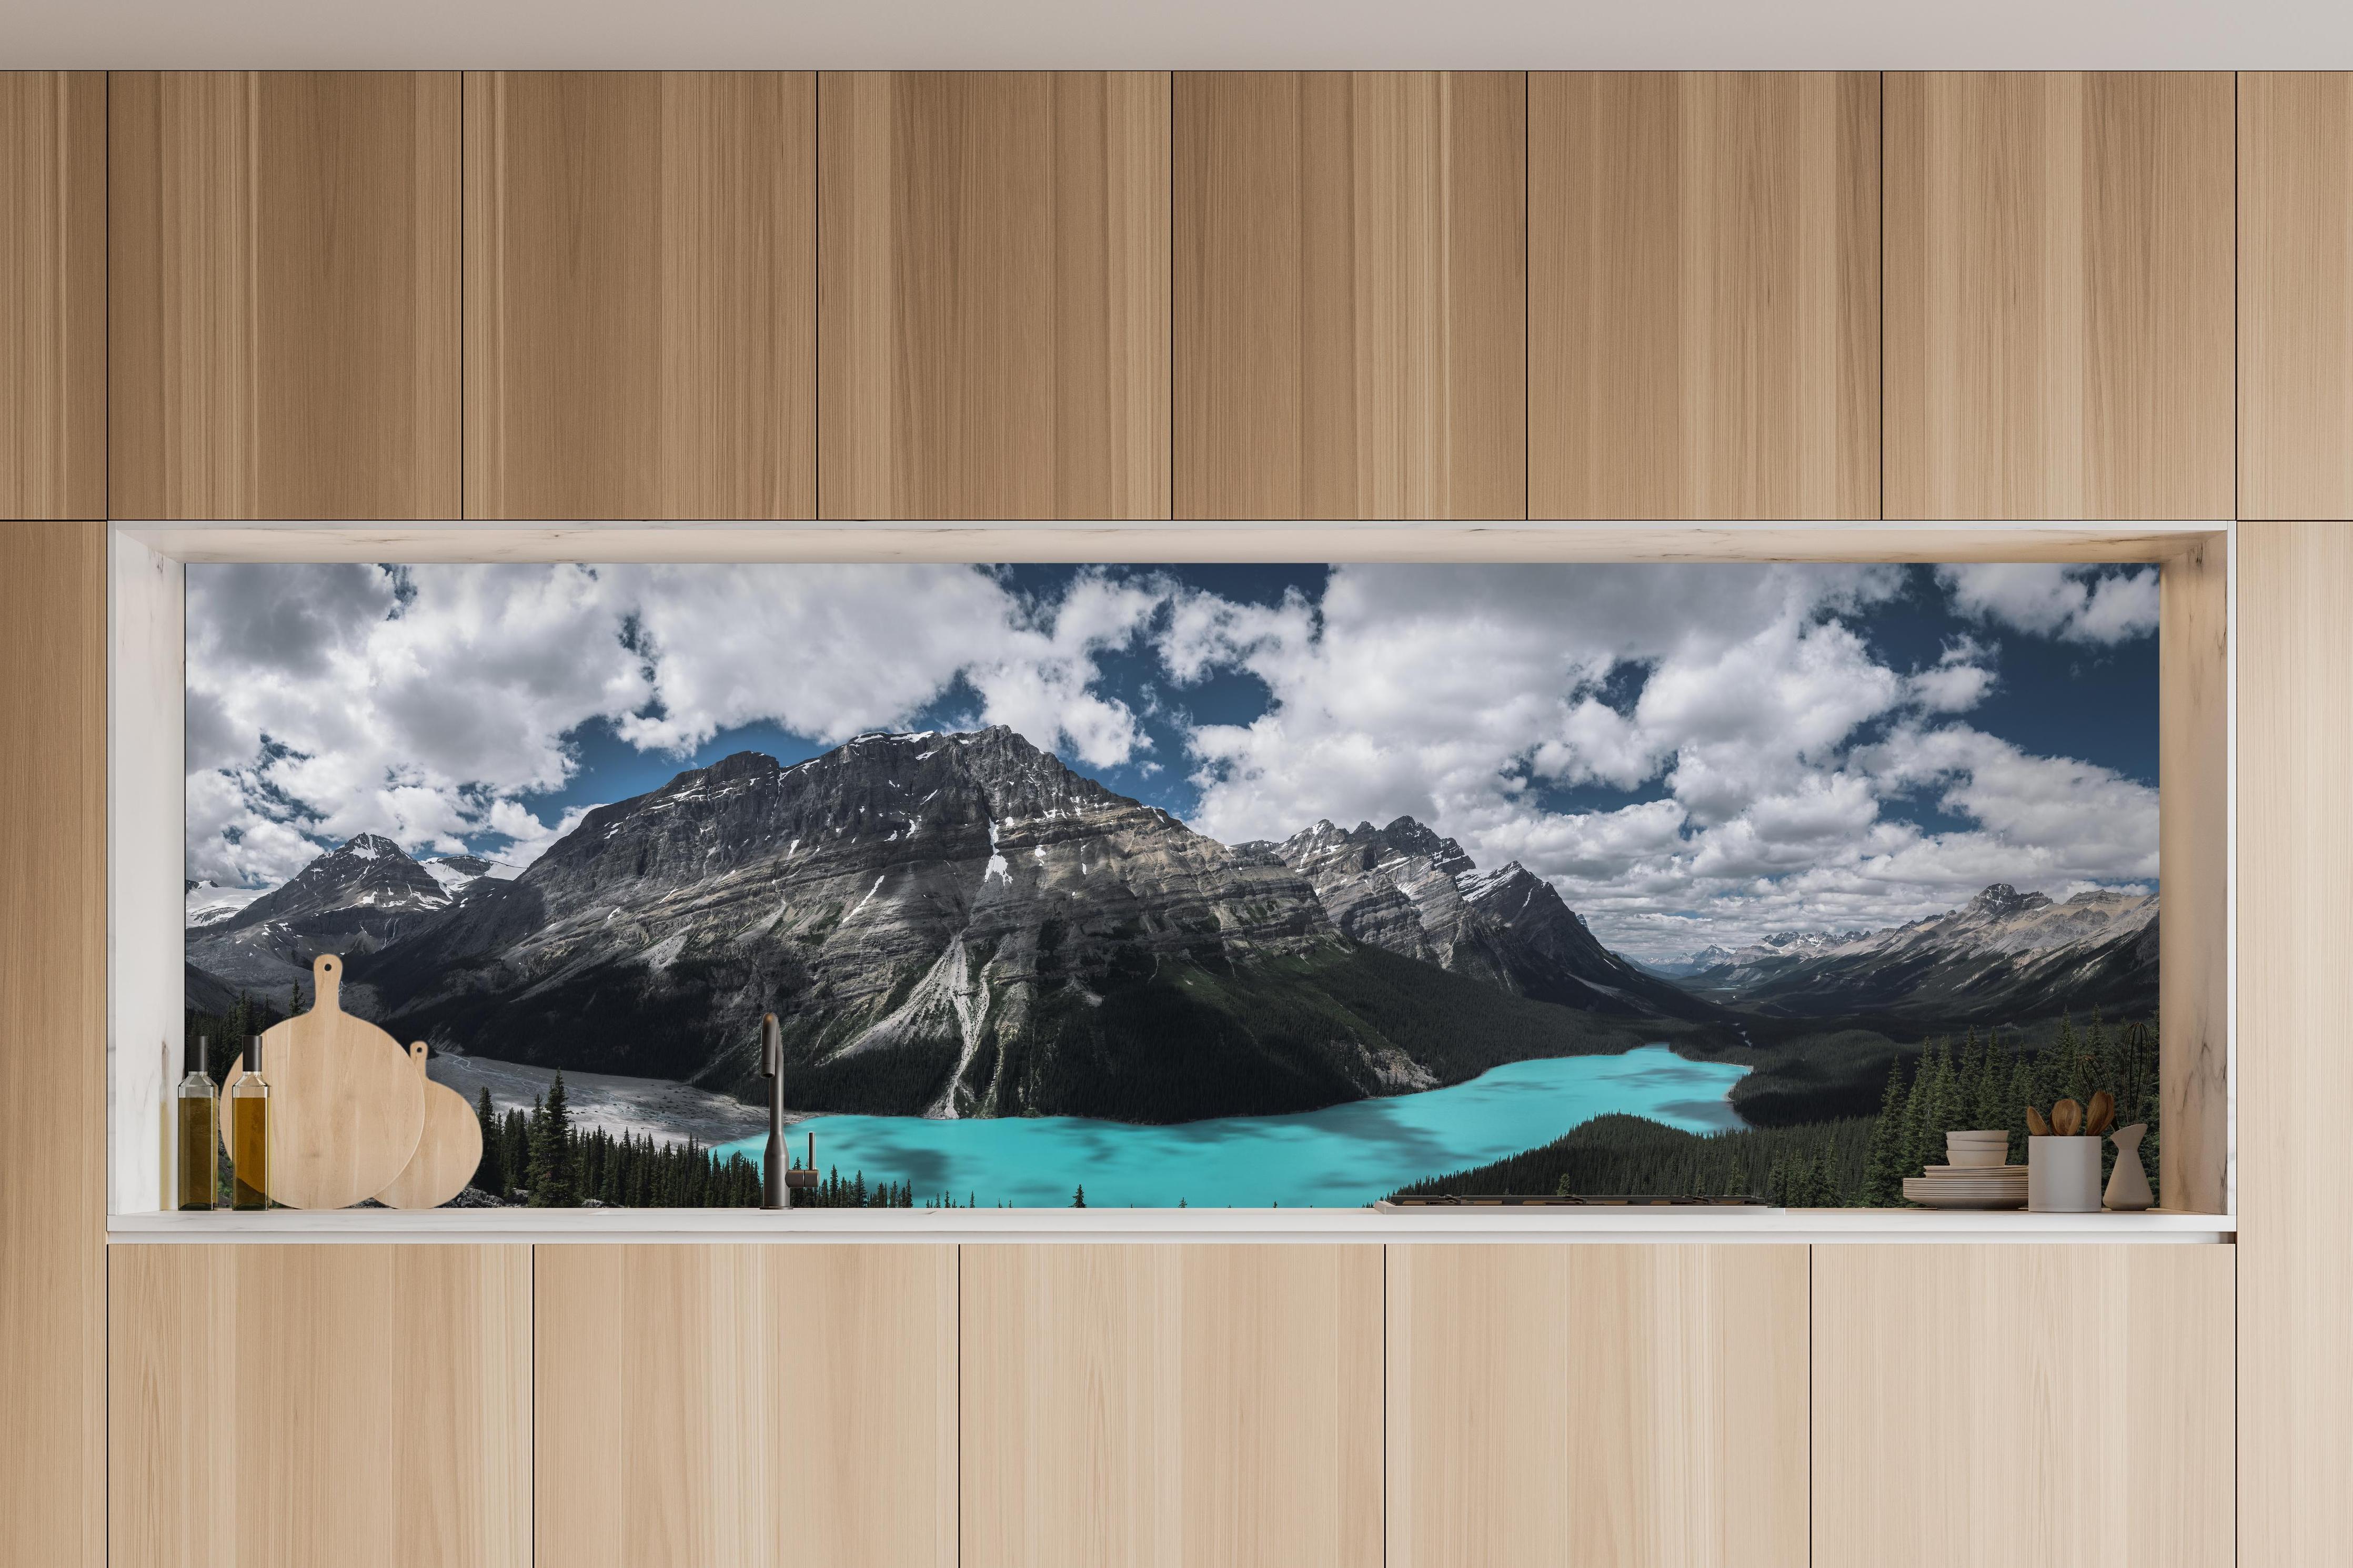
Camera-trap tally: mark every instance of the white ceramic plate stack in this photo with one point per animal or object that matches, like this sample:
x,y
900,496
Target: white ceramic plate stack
x,y
1977,1178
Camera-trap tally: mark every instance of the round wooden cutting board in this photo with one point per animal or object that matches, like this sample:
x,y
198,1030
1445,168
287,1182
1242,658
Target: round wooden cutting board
x,y
345,1108
448,1155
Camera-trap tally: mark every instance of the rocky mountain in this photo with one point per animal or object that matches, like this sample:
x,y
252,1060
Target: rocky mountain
x,y
351,901
1406,889
947,924
2004,957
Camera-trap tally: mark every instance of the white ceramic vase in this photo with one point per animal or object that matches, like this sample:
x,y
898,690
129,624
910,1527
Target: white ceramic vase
x,y
2128,1183
2062,1176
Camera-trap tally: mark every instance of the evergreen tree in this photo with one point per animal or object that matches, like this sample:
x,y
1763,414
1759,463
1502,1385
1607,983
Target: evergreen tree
x,y
1078,1198
554,1182
1882,1173
491,1175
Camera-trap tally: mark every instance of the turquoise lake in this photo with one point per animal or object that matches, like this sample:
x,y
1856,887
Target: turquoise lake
x,y
1343,1156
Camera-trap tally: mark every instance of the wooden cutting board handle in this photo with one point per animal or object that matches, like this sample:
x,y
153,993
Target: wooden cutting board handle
x,y
448,1154
346,1110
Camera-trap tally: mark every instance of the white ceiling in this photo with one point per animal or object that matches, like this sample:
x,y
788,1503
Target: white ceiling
x,y
1182,34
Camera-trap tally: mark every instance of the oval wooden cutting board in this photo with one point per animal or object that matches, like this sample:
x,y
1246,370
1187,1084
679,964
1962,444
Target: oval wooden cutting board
x,y
448,1155
345,1108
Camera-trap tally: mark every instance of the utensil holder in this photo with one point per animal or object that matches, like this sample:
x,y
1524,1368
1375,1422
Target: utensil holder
x,y
2062,1176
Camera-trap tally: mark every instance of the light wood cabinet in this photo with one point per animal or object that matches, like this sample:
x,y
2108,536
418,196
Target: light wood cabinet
x,y
2059,294
2045,1407
1576,1404
1351,294
1172,1407
993,318
640,294
53,1019
282,294
2296,1070
747,1405
52,294
279,1406
2296,294
1703,294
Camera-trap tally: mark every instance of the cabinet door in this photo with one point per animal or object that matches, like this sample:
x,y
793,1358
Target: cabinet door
x,y
1577,1404
743,1406
278,1406
52,294
640,294
282,294
1351,294
53,1019
1703,294
2059,298
2044,1407
1172,1407
2296,294
993,294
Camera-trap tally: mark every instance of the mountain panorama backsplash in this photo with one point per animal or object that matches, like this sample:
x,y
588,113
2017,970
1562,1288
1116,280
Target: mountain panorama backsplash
x,y
1207,884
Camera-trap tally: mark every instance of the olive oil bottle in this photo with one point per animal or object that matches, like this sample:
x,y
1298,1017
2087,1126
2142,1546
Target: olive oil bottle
x,y
249,1120
199,1128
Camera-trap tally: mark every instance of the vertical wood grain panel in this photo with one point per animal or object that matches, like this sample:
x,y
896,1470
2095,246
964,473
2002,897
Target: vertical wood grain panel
x,y
2193,848
2038,1407
746,1405
992,315
1172,1407
640,294
2059,294
2296,1052
1703,294
1351,330
52,294
1578,1404
2296,294
282,294
281,1406
53,1042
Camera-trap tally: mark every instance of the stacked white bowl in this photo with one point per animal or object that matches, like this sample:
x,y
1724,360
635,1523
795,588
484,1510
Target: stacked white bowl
x,y
1979,1176
1977,1148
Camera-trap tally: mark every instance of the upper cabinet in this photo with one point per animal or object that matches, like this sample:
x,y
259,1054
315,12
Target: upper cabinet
x,y
2296,294
640,294
1703,294
284,294
52,294
993,316
2059,295
1351,294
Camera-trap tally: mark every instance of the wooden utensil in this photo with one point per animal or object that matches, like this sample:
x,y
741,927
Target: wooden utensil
x,y
2035,1124
345,1107
448,1154
2101,1114
2066,1119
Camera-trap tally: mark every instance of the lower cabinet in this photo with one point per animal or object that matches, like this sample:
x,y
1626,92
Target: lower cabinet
x,y
2042,1406
287,1406
1172,1407
747,1405
1585,1405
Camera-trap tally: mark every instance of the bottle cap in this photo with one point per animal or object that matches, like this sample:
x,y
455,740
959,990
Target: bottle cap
x,y
253,1053
195,1052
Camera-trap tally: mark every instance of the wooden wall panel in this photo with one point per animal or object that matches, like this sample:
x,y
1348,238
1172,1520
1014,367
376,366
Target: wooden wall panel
x,y
277,1406
1351,294
1578,1404
2296,1050
282,294
1172,1407
2038,1407
746,1405
640,294
2193,848
2059,294
993,317
2296,294
1703,294
53,1043
52,294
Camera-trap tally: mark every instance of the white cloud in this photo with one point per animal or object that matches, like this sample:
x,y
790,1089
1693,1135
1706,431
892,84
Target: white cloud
x,y
2102,605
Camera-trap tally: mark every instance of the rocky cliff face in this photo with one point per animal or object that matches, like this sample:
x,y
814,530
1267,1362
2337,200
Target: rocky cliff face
x,y
1411,892
353,900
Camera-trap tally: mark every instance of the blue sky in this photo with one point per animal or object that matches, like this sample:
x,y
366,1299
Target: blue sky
x,y
1687,751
